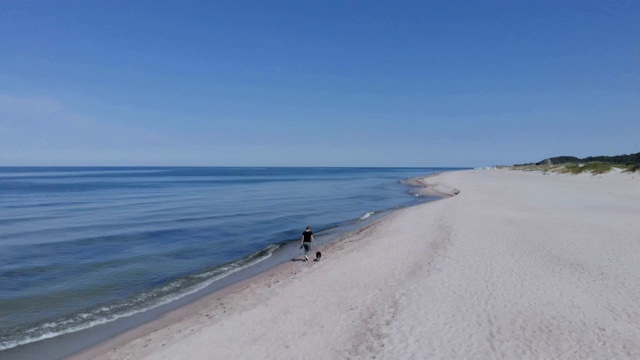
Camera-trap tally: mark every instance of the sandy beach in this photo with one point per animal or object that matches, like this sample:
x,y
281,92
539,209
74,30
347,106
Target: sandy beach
x,y
516,265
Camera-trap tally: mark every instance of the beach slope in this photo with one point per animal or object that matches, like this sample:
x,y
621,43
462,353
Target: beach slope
x,y
517,265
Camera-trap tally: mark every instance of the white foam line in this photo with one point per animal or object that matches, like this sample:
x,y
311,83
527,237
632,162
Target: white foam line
x,y
367,215
168,299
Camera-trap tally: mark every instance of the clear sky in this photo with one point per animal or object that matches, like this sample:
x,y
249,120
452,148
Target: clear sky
x,y
317,83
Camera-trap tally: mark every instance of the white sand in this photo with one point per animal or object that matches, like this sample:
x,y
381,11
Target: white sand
x,y
516,266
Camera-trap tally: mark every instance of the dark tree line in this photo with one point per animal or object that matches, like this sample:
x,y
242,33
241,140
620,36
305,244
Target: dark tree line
x,y
617,159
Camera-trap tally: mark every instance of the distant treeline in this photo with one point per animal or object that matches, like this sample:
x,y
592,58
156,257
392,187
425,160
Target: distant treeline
x,y
618,159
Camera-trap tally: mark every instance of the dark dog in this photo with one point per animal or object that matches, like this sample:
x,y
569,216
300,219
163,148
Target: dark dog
x,y
318,256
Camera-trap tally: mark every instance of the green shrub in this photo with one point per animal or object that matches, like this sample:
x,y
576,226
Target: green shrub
x,y
595,168
632,168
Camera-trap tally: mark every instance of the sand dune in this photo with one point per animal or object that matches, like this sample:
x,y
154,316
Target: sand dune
x,y
515,266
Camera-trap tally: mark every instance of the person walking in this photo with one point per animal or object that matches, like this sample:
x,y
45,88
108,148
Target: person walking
x,y
307,242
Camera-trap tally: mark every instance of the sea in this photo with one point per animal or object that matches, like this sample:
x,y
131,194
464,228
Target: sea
x,y
83,246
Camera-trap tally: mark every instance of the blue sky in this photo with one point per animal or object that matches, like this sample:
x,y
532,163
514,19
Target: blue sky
x,y
317,83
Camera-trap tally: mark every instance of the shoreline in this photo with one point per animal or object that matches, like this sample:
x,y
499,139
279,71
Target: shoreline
x,y
171,317
516,265
430,186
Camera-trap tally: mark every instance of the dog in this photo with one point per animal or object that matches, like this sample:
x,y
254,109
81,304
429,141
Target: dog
x,y
318,256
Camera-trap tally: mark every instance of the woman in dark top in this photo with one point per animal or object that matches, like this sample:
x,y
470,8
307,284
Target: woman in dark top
x,y
307,242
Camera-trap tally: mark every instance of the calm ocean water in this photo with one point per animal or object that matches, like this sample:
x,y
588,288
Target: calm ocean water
x,y
82,246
